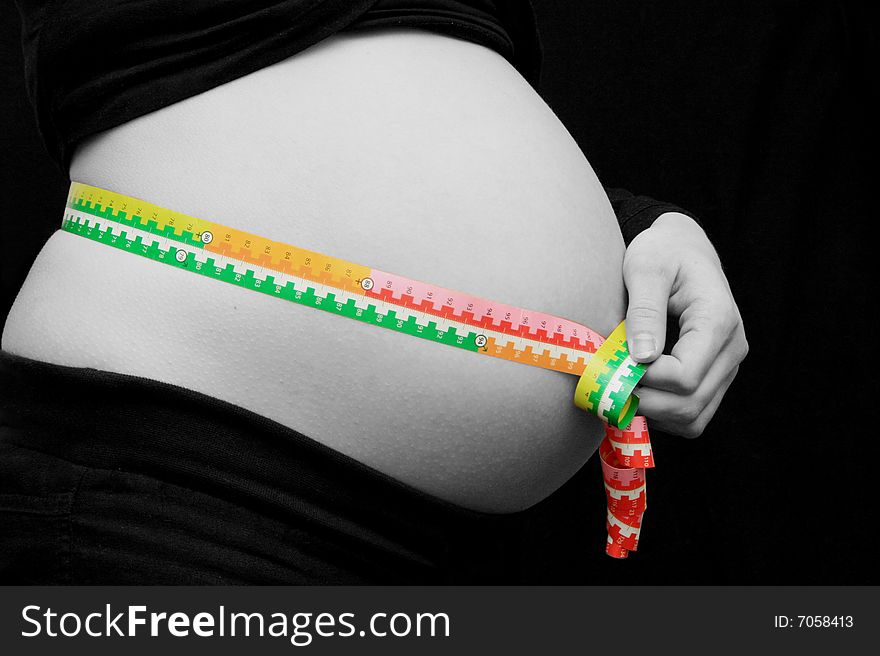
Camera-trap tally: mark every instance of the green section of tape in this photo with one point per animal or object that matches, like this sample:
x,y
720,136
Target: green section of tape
x,y
269,287
620,397
619,414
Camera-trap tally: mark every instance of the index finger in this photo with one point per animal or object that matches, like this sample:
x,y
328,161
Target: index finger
x,y
685,367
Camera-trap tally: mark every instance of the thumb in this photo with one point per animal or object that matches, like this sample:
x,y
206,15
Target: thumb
x,y
648,291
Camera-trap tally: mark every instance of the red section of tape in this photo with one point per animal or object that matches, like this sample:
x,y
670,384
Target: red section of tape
x,y
625,454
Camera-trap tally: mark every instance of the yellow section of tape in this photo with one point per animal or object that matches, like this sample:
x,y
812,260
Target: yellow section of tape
x,y
245,246
589,388
134,207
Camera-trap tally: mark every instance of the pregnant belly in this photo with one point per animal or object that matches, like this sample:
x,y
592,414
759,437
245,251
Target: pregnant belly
x,y
406,151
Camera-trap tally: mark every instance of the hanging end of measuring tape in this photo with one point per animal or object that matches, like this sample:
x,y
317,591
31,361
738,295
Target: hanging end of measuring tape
x,y
606,387
626,497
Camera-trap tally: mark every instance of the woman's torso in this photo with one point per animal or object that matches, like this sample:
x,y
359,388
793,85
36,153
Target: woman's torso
x,y
407,151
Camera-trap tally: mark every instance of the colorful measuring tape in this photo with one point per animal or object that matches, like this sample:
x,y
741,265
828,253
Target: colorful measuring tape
x,y
608,375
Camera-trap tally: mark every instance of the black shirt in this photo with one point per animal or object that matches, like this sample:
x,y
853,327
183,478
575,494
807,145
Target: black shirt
x,y
91,66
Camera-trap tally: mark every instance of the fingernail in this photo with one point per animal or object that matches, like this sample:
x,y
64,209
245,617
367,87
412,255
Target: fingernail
x,y
643,346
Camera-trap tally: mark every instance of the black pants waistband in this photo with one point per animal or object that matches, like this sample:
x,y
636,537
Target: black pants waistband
x,y
361,524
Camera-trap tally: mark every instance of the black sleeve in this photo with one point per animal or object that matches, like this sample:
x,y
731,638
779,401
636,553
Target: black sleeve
x,y
637,213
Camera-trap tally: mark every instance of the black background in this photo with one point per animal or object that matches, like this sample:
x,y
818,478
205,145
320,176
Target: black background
x,y
753,115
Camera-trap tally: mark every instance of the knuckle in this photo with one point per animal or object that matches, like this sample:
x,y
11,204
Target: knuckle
x,y
689,383
731,319
693,431
688,414
718,317
724,319
647,267
743,349
644,310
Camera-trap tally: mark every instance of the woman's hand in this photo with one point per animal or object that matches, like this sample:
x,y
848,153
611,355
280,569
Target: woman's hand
x,y
673,266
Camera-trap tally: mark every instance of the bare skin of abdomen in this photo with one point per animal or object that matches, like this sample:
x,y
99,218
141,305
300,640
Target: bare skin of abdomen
x,y
407,151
